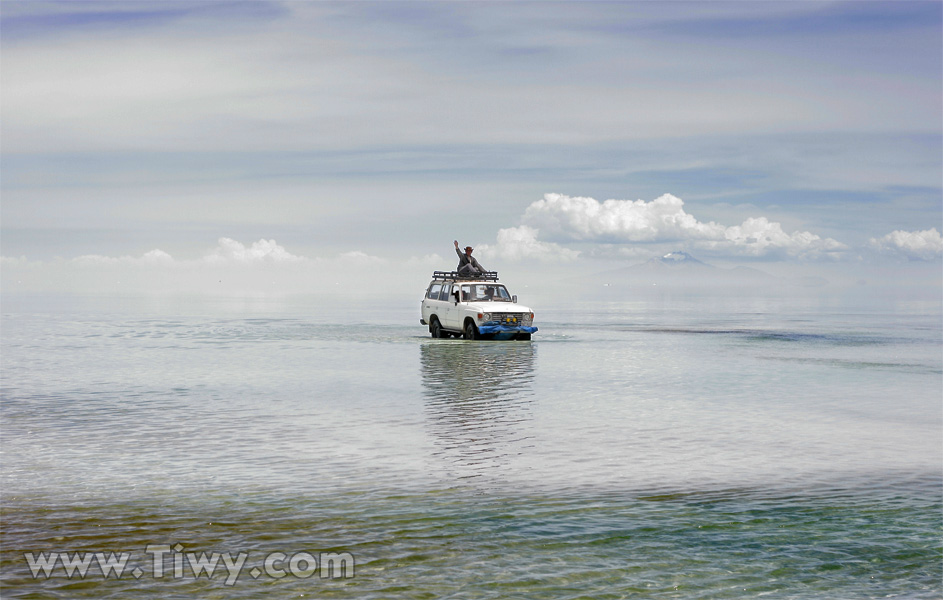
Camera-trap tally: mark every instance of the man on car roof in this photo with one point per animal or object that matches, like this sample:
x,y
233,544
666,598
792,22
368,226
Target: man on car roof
x,y
468,265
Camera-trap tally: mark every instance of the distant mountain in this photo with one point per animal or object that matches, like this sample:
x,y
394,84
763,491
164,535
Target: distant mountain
x,y
679,268
676,261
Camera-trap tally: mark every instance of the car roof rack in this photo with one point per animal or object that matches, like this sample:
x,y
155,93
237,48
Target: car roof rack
x,y
486,276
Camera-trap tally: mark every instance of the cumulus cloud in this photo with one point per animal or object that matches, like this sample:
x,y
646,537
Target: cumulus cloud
x,y
516,243
157,257
914,245
664,219
360,258
761,237
229,251
14,261
93,260
587,219
229,267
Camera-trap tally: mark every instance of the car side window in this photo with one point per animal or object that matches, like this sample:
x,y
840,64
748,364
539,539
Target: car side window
x,y
434,291
444,295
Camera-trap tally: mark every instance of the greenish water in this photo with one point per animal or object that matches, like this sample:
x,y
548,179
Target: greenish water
x,y
456,543
668,449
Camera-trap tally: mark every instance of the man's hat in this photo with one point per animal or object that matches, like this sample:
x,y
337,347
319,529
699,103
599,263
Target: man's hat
x,y
469,248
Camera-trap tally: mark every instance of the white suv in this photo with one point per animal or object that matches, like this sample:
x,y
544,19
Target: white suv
x,y
474,308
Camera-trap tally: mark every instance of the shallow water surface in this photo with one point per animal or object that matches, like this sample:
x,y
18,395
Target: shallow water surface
x,y
656,448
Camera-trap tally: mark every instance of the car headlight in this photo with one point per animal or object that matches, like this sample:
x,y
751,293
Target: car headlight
x,y
484,317
528,318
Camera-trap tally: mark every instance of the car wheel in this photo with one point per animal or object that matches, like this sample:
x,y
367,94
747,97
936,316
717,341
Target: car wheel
x,y
436,329
522,336
471,332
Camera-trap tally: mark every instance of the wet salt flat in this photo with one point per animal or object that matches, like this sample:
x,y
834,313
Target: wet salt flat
x,y
663,447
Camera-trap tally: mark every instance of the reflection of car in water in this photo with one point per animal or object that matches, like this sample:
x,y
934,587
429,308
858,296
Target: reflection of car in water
x,y
477,400
474,308
459,372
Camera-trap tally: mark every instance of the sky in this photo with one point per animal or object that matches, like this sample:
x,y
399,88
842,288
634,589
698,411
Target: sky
x,y
150,140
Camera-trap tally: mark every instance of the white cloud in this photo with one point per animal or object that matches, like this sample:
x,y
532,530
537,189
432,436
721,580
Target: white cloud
x,y
14,261
665,220
157,257
93,260
231,267
229,251
760,237
358,257
516,243
915,245
586,219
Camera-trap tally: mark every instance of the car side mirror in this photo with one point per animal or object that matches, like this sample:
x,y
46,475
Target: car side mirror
x,y
514,298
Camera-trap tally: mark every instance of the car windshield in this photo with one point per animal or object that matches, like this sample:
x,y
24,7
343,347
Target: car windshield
x,y
485,293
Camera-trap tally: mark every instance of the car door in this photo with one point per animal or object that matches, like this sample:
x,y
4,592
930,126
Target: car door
x,y
448,306
430,304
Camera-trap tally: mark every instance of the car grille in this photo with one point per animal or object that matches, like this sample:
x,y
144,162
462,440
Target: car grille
x,y
506,317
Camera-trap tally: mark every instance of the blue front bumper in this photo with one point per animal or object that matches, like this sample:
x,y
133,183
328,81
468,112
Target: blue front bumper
x,y
490,329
